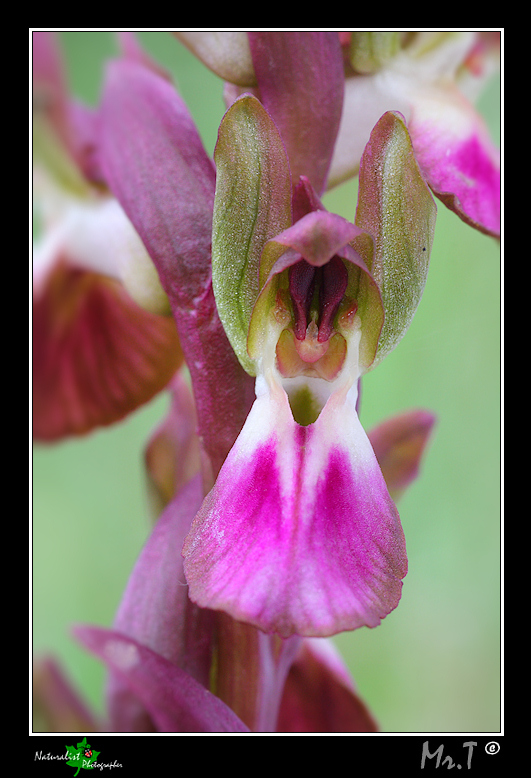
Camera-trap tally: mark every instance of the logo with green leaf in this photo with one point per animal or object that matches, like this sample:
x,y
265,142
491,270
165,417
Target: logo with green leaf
x,y
82,757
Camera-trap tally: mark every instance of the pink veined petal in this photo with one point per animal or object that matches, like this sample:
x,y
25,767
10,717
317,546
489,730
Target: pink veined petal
x,y
299,534
175,701
457,157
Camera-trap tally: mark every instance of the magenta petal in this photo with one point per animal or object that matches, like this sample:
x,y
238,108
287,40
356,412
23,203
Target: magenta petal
x,y
458,158
174,700
299,534
97,355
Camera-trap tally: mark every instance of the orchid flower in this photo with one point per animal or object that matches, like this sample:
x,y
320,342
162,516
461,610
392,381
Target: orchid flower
x,y
299,534
103,342
431,77
169,193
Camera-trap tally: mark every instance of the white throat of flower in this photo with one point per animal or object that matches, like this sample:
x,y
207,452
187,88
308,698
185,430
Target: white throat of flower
x,y
313,391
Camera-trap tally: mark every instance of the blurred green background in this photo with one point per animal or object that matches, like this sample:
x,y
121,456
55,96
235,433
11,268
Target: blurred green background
x,y
434,664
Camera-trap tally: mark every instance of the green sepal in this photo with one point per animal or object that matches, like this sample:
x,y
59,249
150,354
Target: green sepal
x,y
396,207
252,204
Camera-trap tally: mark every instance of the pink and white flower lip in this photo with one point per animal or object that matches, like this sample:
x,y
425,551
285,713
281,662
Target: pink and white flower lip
x,y
299,534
